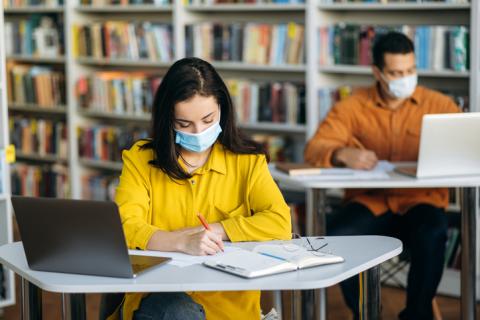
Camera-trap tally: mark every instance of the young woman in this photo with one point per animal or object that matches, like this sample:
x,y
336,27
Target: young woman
x,y
197,162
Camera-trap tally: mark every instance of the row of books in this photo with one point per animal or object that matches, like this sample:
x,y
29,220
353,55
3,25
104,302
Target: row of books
x,y
40,181
38,136
117,92
106,143
278,102
124,40
39,35
256,43
25,3
98,186
39,85
327,97
280,147
125,2
436,47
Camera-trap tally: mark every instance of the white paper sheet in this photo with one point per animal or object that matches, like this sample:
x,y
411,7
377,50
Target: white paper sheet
x,y
378,173
182,259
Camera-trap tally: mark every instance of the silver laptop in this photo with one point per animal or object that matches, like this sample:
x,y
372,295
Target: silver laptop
x,y
449,146
77,236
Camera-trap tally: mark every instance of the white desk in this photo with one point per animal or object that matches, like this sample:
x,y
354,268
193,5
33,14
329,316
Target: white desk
x,y
362,254
316,203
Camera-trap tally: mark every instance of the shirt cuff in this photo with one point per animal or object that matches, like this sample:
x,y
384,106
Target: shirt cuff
x,y
232,230
143,236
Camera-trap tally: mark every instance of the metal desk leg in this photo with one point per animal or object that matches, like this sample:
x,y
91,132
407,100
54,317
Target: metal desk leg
x,y
77,305
277,303
31,297
73,306
468,274
315,302
369,303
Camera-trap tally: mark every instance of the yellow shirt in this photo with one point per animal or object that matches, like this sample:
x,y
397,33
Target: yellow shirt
x,y
236,190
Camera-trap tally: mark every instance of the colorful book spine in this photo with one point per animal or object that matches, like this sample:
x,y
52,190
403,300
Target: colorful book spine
x,y
40,181
277,102
124,40
41,86
106,143
121,93
251,43
100,187
436,47
39,36
39,137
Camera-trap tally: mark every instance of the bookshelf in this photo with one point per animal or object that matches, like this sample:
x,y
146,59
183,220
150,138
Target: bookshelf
x,y
312,14
6,232
32,66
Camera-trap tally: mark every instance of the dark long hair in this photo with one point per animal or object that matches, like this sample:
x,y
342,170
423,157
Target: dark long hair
x,y
186,78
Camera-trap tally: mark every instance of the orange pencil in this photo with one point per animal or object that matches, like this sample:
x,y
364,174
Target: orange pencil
x,y
203,221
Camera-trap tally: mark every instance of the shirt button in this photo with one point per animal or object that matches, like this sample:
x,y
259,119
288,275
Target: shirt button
x,y
192,181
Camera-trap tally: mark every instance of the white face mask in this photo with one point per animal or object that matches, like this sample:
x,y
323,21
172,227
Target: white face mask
x,y
401,88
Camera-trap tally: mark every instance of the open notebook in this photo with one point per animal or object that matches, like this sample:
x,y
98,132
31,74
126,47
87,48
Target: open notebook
x,y
270,259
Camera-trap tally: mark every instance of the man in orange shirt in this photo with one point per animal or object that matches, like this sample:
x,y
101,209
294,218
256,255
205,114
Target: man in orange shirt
x,y
383,122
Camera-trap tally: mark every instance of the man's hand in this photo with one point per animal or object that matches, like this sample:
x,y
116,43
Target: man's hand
x,y
355,158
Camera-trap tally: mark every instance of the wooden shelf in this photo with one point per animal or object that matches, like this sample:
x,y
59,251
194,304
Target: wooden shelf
x,y
34,9
36,59
34,108
394,6
114,116
246,7
367,70
122,62
124,8
100,164
37,157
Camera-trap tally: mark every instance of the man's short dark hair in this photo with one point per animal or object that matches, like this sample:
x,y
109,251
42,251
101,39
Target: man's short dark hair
x,y
392,42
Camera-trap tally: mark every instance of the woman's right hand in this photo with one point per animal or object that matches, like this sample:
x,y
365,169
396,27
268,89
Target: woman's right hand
x,y
200,242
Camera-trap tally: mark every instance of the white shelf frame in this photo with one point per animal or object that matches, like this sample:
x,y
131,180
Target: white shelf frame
x,y
246,7
36,59
34,108
394,6
49,158
114,116
274,127
34,9
367,70
123,8
6,226
101,164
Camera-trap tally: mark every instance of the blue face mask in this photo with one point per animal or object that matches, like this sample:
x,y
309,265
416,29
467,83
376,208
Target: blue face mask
x,y
198,142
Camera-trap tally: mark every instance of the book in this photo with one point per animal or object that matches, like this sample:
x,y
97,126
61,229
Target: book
x,y
269,259
437,47
296,169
